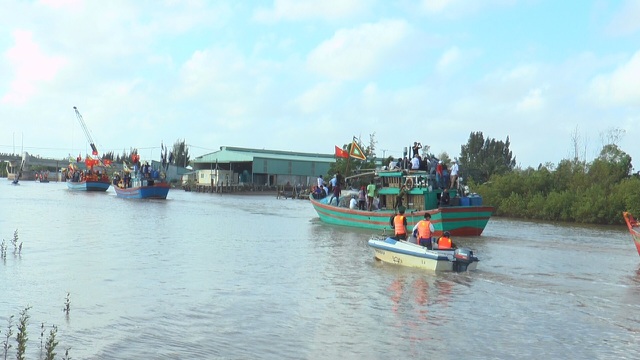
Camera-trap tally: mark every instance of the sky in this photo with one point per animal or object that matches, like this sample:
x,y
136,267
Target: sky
x,y
557,78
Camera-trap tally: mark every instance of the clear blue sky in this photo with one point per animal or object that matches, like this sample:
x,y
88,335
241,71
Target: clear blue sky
x,y
308,75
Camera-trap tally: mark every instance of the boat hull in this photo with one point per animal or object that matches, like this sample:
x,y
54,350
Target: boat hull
x,y
458,220
156,191
634,229
88,185
412,255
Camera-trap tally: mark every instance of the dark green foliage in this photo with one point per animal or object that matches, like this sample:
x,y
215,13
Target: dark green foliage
x,y
181,153
480,159
596,192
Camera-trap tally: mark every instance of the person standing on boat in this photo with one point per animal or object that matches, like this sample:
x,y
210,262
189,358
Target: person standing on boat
x,y
439,174
336,194
422,232
454,174
362,198
320,181
371,193
398,223
415,162
416,148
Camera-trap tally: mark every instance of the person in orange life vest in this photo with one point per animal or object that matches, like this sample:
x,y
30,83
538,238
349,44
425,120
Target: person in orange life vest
x,y
422,231
399,224
445,242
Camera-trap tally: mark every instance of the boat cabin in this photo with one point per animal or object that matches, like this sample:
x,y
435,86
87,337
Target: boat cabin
x,y
412,189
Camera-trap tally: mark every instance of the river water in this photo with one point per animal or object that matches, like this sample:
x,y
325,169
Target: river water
x,y
209,276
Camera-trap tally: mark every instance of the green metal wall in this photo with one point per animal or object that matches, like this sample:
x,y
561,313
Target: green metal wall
x,y
289,167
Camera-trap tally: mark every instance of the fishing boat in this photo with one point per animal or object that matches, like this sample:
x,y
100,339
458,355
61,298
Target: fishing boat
x,y
404,253
460,215
95,177
634,228
143,189
141,182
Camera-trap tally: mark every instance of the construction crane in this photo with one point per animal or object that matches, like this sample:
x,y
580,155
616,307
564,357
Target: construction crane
x,y
94,150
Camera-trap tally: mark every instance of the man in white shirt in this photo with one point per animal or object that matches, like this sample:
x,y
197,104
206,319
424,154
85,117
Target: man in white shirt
x,y
415,162
454,174
353,204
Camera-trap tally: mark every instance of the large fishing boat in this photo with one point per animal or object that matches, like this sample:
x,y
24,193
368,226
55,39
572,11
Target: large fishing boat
x,y
141,188
142,182
95,177
460,214
634,228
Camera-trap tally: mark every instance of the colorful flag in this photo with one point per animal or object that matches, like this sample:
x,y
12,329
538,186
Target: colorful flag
x,y
356,152
341,153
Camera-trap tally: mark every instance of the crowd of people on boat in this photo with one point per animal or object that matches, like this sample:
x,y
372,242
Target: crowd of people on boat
x,y
441,175
144,171
77,175
42,176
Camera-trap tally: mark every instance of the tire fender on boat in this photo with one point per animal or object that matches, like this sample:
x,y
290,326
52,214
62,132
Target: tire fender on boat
x,y
409,183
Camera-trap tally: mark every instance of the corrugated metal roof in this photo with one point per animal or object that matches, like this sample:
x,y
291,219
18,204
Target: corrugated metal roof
x,y
228,154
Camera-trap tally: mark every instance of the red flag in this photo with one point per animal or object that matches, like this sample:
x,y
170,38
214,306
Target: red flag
x,y
341,153
356,152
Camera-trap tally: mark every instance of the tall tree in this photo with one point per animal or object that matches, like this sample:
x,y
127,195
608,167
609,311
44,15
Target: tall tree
x,y
180,153
480,158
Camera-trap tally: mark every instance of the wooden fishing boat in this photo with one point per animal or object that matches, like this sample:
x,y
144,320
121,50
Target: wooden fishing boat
x,y
634,228
144,189
463,216
91,181
405,253
134,184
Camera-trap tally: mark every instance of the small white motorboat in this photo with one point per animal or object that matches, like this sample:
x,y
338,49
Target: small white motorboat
x,y
405,253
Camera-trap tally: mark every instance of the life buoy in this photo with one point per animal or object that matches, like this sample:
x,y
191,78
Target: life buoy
x,y
409,183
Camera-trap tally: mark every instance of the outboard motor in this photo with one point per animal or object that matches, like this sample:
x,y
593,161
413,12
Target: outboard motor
x,y
463,257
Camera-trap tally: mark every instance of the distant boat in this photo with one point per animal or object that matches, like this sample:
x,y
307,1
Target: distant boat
x,y
634,228
95,178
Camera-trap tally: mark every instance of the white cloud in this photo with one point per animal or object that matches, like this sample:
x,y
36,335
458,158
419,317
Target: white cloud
x,y
298,10
318,97
448,59
531,102
619,87
627,20
357,52
31,66
455,8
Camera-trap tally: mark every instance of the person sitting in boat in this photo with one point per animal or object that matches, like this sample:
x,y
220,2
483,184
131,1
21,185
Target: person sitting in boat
x,y
393,165
445,243
353,203
422,232
398,223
